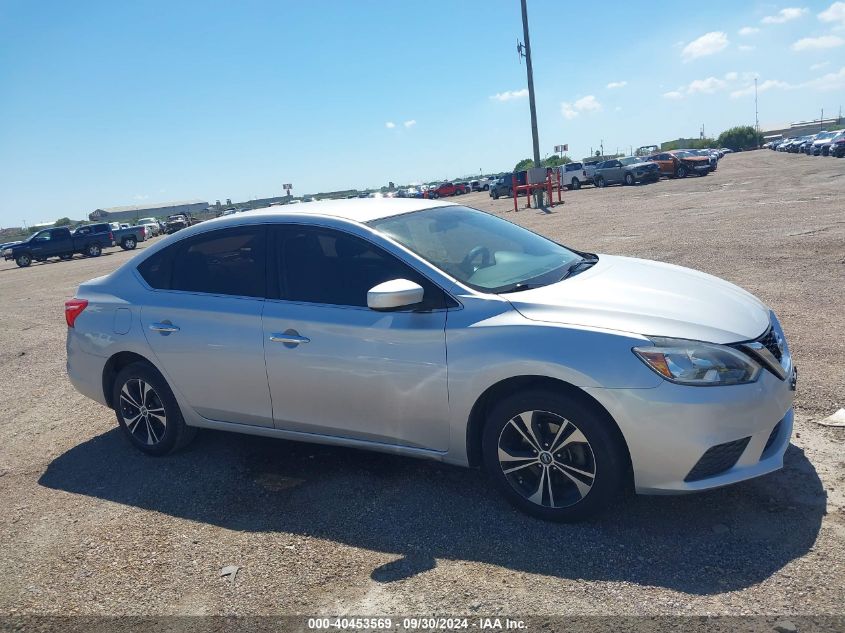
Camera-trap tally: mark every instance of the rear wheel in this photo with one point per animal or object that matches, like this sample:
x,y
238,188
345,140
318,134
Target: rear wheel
x,y
148,412
629,179
553,456
600,182
576,184
93,250
23,260
129,243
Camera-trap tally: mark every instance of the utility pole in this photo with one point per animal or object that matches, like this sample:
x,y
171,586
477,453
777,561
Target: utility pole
x,y
756,119
534,136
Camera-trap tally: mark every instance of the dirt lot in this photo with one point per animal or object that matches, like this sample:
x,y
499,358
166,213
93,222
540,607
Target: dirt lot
x,y
90,526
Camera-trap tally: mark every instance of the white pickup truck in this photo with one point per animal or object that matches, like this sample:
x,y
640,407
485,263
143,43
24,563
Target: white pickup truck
x,y
575,174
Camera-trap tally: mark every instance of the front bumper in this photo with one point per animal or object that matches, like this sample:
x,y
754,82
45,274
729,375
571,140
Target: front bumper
x,y
669,429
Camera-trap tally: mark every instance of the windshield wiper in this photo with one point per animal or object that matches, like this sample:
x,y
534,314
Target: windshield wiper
x,y
578,267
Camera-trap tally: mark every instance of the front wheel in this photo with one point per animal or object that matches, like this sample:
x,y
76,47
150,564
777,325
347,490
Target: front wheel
x,y
23,260
93,250
681,172
148,412
553,456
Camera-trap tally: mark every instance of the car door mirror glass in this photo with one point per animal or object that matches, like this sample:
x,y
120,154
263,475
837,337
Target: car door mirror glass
x,y
394,294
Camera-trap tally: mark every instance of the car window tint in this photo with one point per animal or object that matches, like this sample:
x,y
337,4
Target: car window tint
x,y
318,265
228,262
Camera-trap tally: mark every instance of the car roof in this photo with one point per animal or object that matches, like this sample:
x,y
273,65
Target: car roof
x,y
355,209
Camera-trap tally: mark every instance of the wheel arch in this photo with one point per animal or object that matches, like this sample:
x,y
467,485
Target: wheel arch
x,y
112,368
504,388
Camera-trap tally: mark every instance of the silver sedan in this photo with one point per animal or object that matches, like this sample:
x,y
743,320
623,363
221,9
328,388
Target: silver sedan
x,y
434,330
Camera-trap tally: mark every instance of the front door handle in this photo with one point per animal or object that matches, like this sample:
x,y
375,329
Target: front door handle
x,y
165,327
290,338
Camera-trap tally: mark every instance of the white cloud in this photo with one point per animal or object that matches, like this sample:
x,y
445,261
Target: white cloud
x,y
674,95
707,86
817,43
584,104
745,48
707,44
765,86
616,84
784,15
390,125
834,13
748,30
509,95
830,81
588,103
410,123
732,76
819,66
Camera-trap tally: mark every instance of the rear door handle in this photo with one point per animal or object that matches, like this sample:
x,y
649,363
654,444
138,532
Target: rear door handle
x,y
290,338
164,328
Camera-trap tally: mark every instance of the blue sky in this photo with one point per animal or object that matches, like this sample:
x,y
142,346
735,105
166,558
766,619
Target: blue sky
x,y
113,103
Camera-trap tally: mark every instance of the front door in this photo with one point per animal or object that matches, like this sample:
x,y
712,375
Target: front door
x,y
338,368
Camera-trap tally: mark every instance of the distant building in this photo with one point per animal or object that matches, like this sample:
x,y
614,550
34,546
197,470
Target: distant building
x,y
129,213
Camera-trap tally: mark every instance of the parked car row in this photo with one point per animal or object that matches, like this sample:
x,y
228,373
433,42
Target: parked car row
x,y
628,170
88,240
820,144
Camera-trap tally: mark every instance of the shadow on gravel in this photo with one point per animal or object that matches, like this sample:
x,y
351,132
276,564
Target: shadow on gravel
x,y
713,542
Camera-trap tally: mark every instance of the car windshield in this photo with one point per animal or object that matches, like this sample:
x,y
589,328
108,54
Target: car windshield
x,y
480,250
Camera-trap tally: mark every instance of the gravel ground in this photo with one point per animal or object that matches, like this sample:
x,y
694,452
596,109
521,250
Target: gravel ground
x,y
89,526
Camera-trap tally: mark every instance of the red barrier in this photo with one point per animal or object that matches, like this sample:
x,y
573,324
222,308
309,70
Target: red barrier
x,y
551,184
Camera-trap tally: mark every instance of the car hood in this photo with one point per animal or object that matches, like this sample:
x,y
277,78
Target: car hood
x,y
648,298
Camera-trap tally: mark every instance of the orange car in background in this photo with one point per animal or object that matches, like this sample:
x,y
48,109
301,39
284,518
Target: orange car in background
x,y
680,164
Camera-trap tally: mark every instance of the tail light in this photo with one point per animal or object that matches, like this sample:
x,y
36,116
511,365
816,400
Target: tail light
x,y
111,236
73,309
144,232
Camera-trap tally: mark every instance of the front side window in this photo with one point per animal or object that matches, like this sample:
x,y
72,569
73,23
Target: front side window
x,y
481,250
320,265
225,262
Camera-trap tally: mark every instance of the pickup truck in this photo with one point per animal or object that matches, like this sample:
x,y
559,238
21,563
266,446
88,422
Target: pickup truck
x,y
128,236
60,242
178,221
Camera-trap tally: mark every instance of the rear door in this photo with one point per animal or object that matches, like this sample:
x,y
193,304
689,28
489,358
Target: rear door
x,y
202,320
337,367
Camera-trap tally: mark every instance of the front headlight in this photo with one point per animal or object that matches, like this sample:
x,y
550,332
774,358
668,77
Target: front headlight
x,y
7,252
696,363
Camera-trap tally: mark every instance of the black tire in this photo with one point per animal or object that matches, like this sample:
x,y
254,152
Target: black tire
x,y
575,184
495,195
93,250
600,182
149,434
66,257
630,180
128,243
23,260
486,187
681,172
601,453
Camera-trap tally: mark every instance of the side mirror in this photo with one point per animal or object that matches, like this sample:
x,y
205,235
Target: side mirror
x,y
394,294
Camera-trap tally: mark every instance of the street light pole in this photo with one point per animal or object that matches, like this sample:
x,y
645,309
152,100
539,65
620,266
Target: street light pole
x,y
534,136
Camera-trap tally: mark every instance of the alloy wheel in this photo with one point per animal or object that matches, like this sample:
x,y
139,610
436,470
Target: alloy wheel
x,y
143,411
546,459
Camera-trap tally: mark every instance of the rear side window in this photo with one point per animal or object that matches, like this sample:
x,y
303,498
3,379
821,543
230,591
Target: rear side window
x,y
225,262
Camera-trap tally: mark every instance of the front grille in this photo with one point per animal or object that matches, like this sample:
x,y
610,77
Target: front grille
x,y
717,459
770,343
772,437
